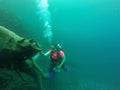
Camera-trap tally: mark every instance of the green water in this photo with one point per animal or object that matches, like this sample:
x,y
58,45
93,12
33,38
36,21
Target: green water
x,y
88,31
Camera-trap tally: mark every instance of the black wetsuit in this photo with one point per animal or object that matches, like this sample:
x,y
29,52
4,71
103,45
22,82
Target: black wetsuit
x,y
55,62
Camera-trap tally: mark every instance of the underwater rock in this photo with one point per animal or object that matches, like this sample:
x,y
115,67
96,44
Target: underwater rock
x,y
14,42
15,54
10,80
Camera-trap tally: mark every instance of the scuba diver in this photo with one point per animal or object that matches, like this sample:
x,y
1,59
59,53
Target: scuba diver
x,y
57,57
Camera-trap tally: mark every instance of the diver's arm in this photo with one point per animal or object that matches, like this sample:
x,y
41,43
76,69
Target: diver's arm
x,y
58,67
61,53
34,65
62,62
37,67
36,56
47,53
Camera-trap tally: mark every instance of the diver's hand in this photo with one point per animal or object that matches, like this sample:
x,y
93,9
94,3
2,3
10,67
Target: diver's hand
x,y
42,52
57,69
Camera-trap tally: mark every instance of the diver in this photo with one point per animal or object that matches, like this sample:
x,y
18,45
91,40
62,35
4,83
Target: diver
x,y
57,57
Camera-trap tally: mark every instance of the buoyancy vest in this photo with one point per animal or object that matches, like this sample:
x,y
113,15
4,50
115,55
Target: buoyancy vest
x,y
56,56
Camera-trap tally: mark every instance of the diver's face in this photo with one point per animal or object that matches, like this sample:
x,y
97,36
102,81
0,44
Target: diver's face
x,y
29,43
